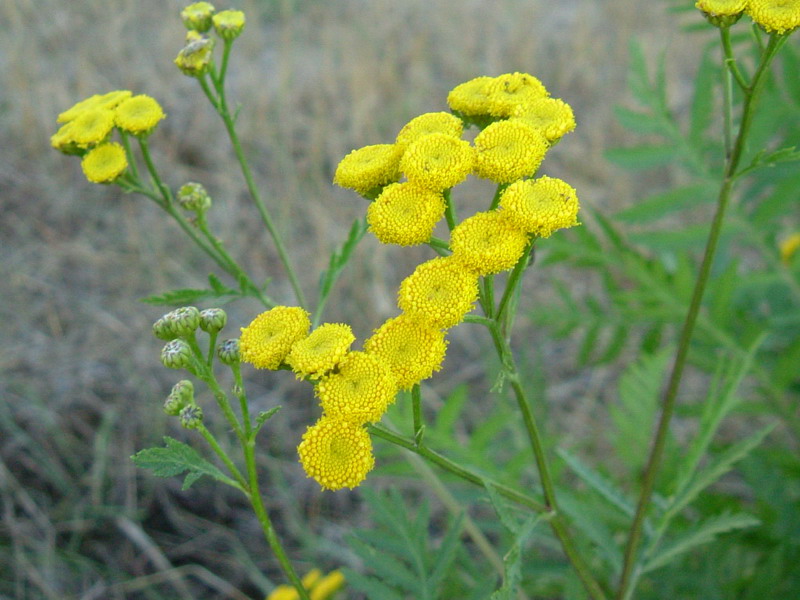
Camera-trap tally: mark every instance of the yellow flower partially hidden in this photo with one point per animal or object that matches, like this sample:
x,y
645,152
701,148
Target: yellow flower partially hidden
x,y
428,123
104,163
109,101
139,115
405,214
91,127
318,587
370,167
336,452
488,242
722,8
775,16
541,206
322,350
789,247
506,92
269,338
471,98
551,116
412,347
361,389
438,161
509,150
440,291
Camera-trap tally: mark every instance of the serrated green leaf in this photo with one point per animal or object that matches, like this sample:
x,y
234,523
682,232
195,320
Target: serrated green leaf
x,y
217,285
583,516
449,413
183,297
791,71
640,122
446,552
689,237
371,587
176,458
703,101
390,569
666,203
642,157
340,257
699,534
638,79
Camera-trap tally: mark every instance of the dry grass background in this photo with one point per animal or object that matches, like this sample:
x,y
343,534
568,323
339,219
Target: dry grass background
x,y
80,379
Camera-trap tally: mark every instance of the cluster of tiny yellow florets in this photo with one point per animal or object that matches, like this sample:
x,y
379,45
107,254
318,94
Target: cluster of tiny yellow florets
x,y
773,16
87,128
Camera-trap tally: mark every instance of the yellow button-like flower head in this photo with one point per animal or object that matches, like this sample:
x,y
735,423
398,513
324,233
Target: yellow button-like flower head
x,y
437,122
775,16
551,116
438,161
488,242
113,99
541,206
509,150
440,291
194,59
269,338
92,127
104,163
197,16
405,214
63,141
139,115
336,452
328,586
471,98
78,108
369,167
361,389
321,351
411,347
229,24
508,91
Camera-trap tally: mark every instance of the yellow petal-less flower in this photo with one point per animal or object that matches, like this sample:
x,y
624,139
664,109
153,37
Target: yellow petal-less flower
x,y
322,350
138,115
92,127
488,242
438,161
722,8
113,99
336,452
318,587
370,167
440,291
436,122
361,389
412,347
197,16
551,116
541,206
78,108
775,16
471,98
510,90
228,24
268,339
509,150
104,163
328,586
405,214
63,141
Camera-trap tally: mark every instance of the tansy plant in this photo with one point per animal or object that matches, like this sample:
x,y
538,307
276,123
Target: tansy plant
x,y
409,185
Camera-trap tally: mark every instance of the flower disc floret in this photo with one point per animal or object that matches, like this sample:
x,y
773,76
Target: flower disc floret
x,y
428,123
488,242
775,16
509,150
139,115
269,338
336,452
104,163
92,127
405,214
370,167
361,389
411,347
440,291
438,161
322,350
541,206
722,8
471,98
510,90
552,116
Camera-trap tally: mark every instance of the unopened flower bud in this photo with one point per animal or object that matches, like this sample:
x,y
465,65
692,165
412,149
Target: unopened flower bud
x,y
184,390
173,405
185,320
228,352
163,329
194,59
176,354
193,196
722,13
192,416
212,319
229,24
197,16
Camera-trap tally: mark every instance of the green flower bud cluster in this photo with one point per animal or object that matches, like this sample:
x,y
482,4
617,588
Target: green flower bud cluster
x,y
195,58
191,416
193,197
228,352
179,323
181,396
178,329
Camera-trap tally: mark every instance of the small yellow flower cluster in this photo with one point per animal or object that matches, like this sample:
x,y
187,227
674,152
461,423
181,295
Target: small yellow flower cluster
x,y
195,57
774,16
88,125
319,587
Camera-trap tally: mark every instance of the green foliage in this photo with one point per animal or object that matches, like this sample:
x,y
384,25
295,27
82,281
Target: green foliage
x,y
218,292
176,458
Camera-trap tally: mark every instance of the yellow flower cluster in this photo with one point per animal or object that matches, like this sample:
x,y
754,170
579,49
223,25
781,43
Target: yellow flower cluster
x,y
319,587
88,125
774,16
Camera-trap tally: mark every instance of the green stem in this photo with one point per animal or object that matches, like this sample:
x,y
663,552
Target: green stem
x,y
513,281
752,92
416,404
240,393
126,143
241,482
449,211
439,244
730,61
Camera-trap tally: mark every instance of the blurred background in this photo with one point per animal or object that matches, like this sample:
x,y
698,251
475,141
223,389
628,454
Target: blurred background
x,y
81,383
